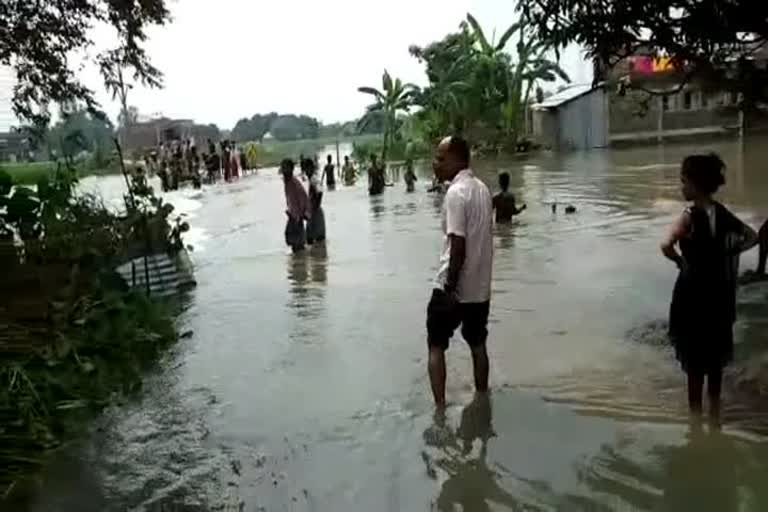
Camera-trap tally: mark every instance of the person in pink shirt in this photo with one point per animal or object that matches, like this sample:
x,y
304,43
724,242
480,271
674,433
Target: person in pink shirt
x,y
235,161
297,203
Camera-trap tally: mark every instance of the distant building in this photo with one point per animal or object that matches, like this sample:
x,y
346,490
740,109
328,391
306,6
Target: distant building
x,y
14,146
692,110
151,133
574,118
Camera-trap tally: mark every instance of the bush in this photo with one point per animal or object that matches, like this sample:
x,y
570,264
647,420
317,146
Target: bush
x,y
72,336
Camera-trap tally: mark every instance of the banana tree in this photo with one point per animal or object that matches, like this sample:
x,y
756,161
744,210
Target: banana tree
x,y
493,60
532,67
393,97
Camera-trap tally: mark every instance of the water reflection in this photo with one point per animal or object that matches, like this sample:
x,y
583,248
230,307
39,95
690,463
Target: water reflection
x,y
707,472
377,207
318,264
471,483
505,234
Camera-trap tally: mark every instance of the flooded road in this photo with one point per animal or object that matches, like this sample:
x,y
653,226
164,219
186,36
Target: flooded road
x,y
304,386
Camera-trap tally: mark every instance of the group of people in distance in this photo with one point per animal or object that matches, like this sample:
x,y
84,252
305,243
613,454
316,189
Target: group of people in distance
x,y
227,162
179,161
704,243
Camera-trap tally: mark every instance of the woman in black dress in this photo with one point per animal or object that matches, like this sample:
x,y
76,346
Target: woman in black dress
x,y
703,308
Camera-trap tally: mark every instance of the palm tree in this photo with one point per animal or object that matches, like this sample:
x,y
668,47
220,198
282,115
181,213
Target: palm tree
x,y
394,97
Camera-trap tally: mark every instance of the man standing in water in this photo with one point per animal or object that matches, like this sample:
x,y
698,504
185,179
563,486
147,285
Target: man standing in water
x,y
463,286
330,174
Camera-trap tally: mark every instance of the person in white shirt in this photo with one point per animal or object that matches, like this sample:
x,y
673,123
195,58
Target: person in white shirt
x,y
463,286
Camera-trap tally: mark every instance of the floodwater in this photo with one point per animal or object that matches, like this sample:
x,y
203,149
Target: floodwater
x,y
304,386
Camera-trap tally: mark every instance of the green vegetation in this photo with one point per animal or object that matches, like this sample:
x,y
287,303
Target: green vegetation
x,y
30,173
271,152
476,88
38,39
73,337
393,98
292,128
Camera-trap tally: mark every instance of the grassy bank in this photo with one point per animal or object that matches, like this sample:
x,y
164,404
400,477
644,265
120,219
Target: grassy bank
x,y
271,152
73,338
30,173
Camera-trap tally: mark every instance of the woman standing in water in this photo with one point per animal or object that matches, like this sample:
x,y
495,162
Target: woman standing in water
x,y
316,222
297,207
703,308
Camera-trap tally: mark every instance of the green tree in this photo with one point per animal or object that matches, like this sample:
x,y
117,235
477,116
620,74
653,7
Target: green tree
x,y
476,85
79,130
393,98
38,38
253,129
449,102
292,127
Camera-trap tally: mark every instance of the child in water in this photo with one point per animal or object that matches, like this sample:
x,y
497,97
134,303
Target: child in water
x,y
703,308
504,201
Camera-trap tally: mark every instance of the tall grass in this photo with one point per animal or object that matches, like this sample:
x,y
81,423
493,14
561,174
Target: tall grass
x,y
271,152
30,173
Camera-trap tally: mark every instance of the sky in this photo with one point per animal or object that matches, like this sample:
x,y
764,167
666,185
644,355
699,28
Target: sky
x,y
230,59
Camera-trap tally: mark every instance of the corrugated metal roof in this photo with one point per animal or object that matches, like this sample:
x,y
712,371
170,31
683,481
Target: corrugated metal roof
x,y
569,93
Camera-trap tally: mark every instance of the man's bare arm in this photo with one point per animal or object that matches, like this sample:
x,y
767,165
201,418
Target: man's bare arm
x,y
458,255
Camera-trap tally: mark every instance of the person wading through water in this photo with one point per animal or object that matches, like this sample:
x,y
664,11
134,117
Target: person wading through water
x,y
329,174
703,308
504,201
462,290
297,210
348,172
376,179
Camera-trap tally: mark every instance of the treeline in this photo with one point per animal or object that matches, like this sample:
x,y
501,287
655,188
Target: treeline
x,y
477,86
288,127
80,131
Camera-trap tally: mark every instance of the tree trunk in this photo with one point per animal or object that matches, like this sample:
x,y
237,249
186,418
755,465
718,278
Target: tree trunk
x,y
387,129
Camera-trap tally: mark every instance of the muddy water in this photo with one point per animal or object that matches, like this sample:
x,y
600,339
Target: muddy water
x,y
304,387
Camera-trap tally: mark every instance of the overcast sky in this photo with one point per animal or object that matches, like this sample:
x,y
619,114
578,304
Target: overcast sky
x,y
229,59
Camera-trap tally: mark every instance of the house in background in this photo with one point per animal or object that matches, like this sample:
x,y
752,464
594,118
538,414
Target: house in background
x,y
151,133
695,109
576,117
14,146
688,111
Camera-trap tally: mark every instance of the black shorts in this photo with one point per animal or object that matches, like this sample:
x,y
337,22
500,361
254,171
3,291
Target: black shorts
x,y
444,315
